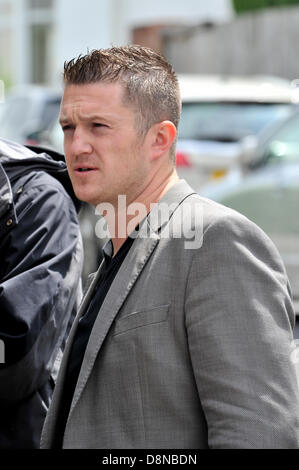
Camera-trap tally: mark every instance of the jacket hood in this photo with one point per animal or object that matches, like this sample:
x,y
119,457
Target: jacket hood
x,y
17,160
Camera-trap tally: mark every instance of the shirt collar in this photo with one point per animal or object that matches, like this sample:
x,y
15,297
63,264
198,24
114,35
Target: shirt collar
x,y
108,250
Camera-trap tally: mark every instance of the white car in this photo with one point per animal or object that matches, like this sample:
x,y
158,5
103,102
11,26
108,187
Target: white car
x,y
218,114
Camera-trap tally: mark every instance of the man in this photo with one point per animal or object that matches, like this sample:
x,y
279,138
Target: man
x,y
41,261
183,339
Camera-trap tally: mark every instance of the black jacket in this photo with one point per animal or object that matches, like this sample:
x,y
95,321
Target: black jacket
x,y
40,267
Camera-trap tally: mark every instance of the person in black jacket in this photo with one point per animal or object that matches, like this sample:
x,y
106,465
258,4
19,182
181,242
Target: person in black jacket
x,y
40,285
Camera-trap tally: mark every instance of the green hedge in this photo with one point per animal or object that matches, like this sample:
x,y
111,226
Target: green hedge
x,y
247,5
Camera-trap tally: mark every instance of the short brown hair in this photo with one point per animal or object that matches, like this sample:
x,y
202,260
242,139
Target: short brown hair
x,y
149,81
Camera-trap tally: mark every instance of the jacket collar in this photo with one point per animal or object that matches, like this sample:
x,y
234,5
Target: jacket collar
x,y
17,160
162,212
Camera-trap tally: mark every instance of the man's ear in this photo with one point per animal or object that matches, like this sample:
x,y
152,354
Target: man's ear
x,y
162,136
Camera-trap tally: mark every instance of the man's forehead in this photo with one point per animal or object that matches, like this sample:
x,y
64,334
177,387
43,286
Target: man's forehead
x,y
78,107
83,107
97,98
83,112
92,91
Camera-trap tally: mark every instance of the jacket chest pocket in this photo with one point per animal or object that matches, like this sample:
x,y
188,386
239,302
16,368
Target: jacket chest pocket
x,y
141,318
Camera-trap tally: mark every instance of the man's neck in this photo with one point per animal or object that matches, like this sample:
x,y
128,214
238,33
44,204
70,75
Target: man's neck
x,y
136,211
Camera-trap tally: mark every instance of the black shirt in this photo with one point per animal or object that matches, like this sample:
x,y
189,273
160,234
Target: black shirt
x,y
86,322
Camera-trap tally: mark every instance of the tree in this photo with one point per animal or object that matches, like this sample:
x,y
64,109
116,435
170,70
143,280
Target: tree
x,y
242,6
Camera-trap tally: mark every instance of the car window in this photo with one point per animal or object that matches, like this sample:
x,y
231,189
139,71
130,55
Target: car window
x,y
228,121
284,145
13,116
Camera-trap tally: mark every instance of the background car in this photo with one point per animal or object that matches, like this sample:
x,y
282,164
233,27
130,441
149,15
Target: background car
x,y
218,113
28,109
268,192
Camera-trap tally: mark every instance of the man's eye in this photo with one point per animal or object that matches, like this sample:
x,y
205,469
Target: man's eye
x,y
67,127
98,124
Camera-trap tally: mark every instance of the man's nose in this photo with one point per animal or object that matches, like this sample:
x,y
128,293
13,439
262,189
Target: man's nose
x,y
81,143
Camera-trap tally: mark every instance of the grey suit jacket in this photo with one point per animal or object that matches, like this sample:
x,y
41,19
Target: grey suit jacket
x,y
191,347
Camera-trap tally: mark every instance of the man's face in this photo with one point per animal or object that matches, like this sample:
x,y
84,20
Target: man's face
x,y
104,154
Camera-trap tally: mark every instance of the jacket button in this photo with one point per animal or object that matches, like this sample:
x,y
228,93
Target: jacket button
x,y
9,222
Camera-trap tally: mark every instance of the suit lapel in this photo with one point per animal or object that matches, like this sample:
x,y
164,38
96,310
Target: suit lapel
x,y
119,290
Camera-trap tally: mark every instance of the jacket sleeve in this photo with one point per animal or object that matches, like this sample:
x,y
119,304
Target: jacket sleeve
x,y
41,261
239,320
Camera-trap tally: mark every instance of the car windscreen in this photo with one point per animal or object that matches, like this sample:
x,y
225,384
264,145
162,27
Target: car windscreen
x,y
228,121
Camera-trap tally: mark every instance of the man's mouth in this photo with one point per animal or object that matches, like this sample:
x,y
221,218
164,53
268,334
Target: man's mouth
x,y
84,169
